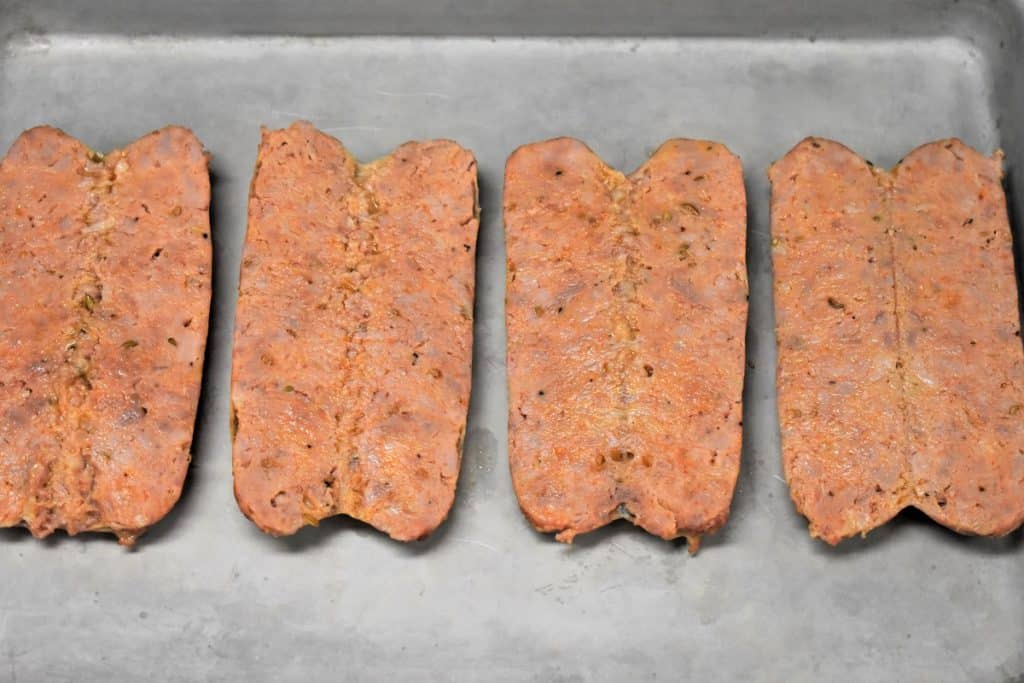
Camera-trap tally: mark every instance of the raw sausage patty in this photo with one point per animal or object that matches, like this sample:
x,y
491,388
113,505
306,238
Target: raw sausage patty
x,y
626,312
901,372
104,299
353,335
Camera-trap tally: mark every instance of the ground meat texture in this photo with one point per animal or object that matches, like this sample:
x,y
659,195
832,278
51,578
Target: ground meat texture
x,y
105,294
838,397
353,335
626,311
886,290
963,371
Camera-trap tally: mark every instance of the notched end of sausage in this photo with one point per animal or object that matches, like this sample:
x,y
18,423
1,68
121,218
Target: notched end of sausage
x,y
622,512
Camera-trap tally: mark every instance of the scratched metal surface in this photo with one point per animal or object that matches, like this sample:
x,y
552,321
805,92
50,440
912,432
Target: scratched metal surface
x,y
205,596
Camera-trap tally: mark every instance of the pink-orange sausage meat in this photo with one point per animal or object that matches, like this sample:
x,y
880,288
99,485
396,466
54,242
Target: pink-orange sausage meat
x,y
960,331
353,335
104,301
900,369
626,312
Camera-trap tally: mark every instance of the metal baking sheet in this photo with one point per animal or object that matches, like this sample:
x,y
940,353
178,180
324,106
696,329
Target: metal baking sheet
x,y
206,596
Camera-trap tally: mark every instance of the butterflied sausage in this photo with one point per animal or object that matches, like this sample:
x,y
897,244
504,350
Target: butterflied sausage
x,y
353,335
104,301
626,311
885,294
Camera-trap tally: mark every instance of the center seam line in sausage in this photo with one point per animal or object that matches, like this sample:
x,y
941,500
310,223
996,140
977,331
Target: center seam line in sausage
x,y
625,327
351,424
886,180
74,471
